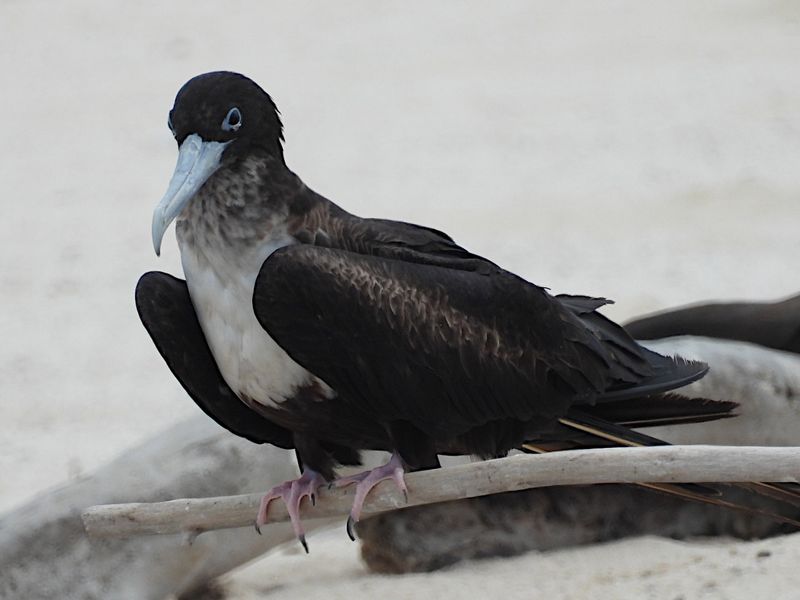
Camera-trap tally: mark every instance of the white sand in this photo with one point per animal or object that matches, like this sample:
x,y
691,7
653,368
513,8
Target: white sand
x,y
647,152
642,569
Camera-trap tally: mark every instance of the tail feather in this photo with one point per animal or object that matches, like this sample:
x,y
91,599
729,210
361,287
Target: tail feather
x,y
638,371
640,397
662,409
670,372
608,425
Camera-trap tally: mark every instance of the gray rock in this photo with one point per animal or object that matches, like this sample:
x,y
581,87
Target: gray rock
x,y
431,537
45,553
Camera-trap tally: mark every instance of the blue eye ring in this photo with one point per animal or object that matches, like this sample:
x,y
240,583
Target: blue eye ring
x,y
233,120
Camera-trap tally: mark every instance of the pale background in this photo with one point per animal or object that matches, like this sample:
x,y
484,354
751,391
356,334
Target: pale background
x,y
645,151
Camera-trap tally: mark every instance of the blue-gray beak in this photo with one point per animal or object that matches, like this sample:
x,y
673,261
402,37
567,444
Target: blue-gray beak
x,y
197,161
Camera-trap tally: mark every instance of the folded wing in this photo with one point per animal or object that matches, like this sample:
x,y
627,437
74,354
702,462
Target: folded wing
x,y
446,340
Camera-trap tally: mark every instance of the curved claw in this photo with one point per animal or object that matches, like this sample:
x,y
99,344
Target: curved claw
x,y
292,494
394,470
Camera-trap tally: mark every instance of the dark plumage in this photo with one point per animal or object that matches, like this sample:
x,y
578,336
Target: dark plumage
x,y
306,326
472,357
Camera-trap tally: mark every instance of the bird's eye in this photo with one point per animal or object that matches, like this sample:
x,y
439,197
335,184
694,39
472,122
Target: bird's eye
x,y
233,120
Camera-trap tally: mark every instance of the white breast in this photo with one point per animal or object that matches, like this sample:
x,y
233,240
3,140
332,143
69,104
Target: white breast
x,y
221,288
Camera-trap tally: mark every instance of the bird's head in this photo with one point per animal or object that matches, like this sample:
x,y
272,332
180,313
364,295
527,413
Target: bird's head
x,y
217,119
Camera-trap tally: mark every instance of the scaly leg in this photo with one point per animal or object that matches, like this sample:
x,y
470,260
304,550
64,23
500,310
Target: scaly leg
x,y
394,469
292,493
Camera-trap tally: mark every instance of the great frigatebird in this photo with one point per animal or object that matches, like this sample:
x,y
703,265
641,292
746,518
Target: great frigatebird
x,y
302,325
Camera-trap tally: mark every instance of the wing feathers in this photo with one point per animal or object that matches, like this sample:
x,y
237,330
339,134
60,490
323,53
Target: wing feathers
x,y
447,349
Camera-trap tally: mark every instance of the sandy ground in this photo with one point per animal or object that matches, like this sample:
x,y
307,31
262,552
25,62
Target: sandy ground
x,y
642,569
642,151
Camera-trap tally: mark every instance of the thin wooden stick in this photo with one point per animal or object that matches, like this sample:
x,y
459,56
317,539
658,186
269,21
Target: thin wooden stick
x,y
663,464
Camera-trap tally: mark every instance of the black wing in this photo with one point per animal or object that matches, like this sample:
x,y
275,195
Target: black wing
x,y
667,373
168,315
438,337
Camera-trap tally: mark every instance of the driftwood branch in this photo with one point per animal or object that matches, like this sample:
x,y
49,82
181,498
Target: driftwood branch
x,y
666,464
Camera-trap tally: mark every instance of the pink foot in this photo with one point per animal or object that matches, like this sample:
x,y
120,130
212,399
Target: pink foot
x,y
367,480
292,493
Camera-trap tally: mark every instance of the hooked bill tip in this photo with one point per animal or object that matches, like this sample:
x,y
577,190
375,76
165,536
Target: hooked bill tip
x,y
158,229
